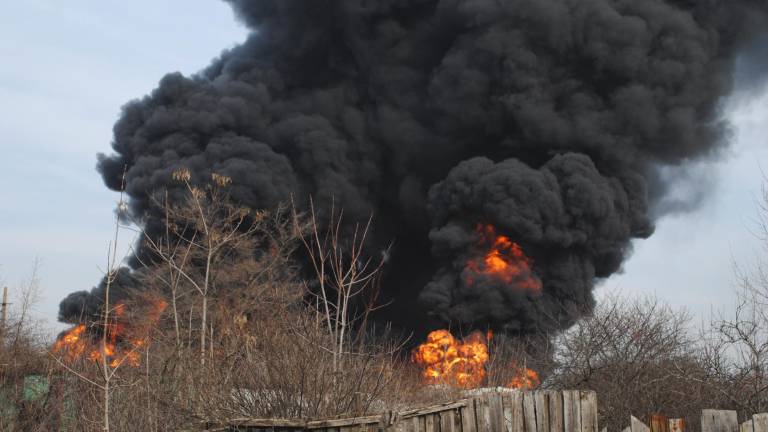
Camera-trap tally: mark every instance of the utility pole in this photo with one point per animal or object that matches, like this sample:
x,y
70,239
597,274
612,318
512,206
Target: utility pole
x,y
3,313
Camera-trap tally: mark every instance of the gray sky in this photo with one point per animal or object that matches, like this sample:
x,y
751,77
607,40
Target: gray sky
x,y
69,66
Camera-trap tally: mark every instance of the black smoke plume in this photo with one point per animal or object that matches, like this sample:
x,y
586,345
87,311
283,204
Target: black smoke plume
x,y
550,120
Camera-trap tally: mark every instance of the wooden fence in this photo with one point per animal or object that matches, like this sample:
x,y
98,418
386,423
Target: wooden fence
x,y
496,410
711,421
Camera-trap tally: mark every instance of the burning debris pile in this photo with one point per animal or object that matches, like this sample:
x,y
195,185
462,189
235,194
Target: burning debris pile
x,y
123,341
461,363
548,123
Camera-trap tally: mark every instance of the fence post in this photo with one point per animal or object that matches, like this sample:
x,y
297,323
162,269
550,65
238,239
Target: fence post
x,y
719,421
637,426
3,313
746,426
677,425
760,422
588,411
659,423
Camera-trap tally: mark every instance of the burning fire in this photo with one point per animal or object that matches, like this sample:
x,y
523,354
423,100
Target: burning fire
x,y
119,347
461,363
524,379
448,360
505,262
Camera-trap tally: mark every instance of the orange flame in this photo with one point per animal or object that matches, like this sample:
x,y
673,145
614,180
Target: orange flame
x,y
448,360
117,349
505,262
524,379
461,363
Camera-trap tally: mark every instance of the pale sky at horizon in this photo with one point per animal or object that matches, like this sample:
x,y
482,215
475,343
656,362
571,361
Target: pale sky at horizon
x,y
69,67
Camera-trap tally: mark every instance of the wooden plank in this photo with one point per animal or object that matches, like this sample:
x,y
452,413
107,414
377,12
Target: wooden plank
x,y
571,411
541,399
447,421
412,424
556,411
435,408
677,425
457,425
495,412
267,423
747,426
659,423
513,412
760,422
482,414
529,411
637,426
336,423
429,421
567,412
719,421
399,425
468,418
588,404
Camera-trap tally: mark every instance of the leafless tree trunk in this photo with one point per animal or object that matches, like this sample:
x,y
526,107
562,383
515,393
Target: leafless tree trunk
x,y
344,275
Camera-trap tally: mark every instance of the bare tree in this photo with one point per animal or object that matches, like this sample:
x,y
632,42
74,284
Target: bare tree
x,y
108,368
344,275
203,233
638,354
735,345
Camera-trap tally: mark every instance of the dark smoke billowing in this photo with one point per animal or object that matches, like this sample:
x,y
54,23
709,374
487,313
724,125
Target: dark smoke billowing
x,y
548,119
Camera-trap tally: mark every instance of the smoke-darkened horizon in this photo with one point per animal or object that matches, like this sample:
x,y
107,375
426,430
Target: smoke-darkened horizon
x,y
548,120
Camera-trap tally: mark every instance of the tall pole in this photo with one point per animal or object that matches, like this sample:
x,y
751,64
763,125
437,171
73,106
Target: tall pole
x,y
3,313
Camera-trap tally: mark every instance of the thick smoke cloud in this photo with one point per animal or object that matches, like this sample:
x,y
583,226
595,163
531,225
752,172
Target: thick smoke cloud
x,y
84,305
549,119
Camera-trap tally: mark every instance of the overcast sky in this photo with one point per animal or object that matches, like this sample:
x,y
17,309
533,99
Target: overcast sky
x,y
69,66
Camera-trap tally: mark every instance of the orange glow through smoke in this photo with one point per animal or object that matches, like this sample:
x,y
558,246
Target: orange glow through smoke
x,y
504,261
445,359
118,349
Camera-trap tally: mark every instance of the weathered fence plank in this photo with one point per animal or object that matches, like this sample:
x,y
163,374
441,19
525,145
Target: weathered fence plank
x,y
659,423
760,422
746,426
429,423
719,421
556,412
529,412
677,425
482,415
637,426
542,411
572,410
588,403
468,417
495,411
513,412
446,421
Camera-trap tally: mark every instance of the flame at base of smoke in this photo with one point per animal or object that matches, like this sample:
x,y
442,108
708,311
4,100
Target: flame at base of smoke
x,y
461,363
117,349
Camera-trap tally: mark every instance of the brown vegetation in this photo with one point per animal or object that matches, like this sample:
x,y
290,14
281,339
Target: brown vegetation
x,y
247,334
